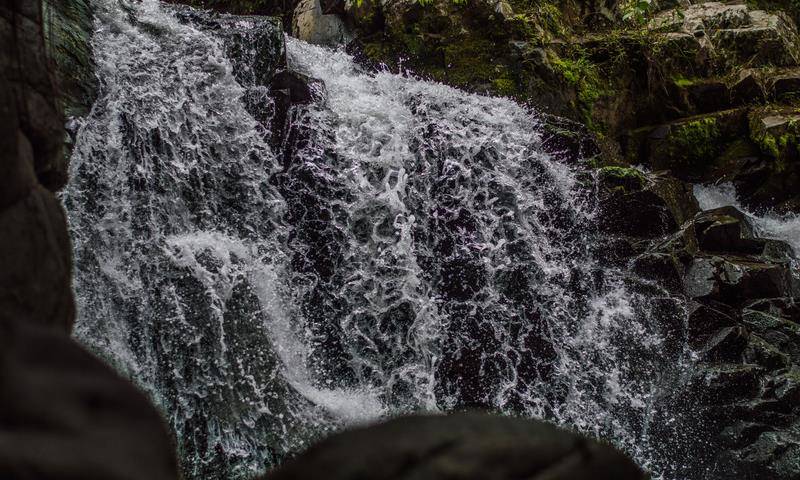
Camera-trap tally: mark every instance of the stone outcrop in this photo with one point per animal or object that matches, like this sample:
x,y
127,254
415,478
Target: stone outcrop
x,y
743,318
313,25
459,447
35,281
63,413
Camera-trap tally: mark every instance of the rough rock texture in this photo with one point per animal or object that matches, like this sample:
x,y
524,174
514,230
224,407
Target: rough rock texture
x,y
35,281
312,25
68,36
459,447
743,319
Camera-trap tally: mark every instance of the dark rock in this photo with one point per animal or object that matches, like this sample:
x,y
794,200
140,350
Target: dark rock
x,y
776,132
786,388
30,84
662,268
66,415
726,229
727,345
35,252
772,456
780,332
748,88
459,447
734,281
786,86
689,147
568,140
723,383
706,318
643,205
706,96
289,88
762,352
781,307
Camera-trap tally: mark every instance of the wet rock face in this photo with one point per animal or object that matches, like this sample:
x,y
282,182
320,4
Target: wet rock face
x,y
69,30
743,321
744,326
640,205
459,447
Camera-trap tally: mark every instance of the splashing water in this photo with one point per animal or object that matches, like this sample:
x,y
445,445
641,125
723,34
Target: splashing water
x,y
409,247
784,227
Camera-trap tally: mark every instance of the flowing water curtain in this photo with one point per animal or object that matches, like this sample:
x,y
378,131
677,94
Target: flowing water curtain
x,y
518,314
175,230
418,252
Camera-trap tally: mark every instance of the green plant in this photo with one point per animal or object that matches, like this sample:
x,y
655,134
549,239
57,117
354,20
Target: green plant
x,y
637,11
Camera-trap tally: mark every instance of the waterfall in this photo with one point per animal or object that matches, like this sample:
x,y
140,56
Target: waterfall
x,y
408,247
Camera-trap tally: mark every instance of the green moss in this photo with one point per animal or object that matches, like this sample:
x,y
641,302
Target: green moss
x,y
622,179
776,142
683,82
584,75
471,63
695,141
504,87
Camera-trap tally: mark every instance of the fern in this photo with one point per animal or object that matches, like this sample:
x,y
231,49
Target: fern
x,y
637,11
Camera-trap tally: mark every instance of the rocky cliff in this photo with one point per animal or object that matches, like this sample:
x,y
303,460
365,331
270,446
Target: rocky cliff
x,y
63,412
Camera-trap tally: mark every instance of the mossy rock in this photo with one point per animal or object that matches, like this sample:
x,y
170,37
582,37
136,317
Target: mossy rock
x,y
68,32
688,147
622,179
776,132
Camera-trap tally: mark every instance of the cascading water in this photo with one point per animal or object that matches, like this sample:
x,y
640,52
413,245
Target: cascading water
x,y
408,247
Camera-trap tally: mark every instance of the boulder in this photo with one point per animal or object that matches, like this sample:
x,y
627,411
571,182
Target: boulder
x,y
64,414
785,86
747,88
568,140
726,229
643,205
459,447
734,281
313,26
720,384
776,132
687,147
716,256
289,88
35,252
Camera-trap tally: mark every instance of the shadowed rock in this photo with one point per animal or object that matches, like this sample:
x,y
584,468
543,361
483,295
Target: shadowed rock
x,y
66,415
459,447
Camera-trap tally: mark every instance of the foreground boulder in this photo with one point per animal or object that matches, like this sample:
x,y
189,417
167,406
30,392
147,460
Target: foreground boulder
x,y
459,447
65,415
